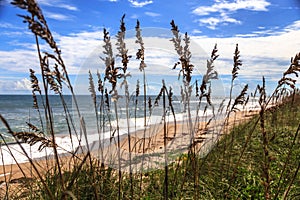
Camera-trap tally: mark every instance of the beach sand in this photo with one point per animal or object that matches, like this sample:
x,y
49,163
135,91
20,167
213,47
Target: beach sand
x,y
148,150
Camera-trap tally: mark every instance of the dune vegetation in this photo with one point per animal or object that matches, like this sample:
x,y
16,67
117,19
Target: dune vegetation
x,y
247,154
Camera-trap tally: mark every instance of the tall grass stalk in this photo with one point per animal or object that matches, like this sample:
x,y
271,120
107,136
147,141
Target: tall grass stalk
x,y
121,46
111,74
236,67
265,141
140,55
186,71
166,180
102,116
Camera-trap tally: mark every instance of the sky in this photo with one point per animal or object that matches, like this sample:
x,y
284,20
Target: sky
x,y
267,32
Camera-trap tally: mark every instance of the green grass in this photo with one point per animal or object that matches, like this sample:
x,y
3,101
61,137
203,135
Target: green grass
x,y
219,175
227,177
222,176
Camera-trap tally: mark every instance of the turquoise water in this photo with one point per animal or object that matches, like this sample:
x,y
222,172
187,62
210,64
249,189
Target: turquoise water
x,y
18,109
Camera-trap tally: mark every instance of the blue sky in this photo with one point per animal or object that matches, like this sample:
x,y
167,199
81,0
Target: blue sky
x,y
267,32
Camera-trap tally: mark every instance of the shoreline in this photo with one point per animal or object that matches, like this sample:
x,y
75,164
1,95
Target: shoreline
x,y
149,150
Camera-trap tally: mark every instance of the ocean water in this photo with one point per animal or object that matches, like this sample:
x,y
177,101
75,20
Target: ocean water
x,y
18,109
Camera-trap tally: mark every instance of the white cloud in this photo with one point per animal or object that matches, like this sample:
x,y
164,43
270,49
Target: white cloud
x,y
140,4
213,22
23,84
75,48
265,55
134,16
6,25
13,86
247,35
57,16
293,27
57,4
253,5
275,31
223,9
18,60
68,7
152,14
196,31
14,34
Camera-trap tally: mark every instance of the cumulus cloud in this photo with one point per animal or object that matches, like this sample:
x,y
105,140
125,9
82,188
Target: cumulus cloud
x,y
294,26
223,9
212,22
222,6
23,84
75,48
18,60
12,86
135,3
265,56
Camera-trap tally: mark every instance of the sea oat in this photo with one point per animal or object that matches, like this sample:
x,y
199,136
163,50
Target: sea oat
x,y
240,99
183,53
236,63
100,83
92,89
293,69
210,75
141,51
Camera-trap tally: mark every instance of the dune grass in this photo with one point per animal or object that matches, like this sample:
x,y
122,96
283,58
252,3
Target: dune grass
x,y
236,173
257,159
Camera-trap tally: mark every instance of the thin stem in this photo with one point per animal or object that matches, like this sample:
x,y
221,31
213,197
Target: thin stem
x,y
165,145
48,113
118,151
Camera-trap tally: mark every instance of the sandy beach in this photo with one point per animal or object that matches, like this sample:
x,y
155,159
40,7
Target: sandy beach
x,y
151,148
148,150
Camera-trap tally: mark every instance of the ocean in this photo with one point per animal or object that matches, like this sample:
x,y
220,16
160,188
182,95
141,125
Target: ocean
x,y
18,110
